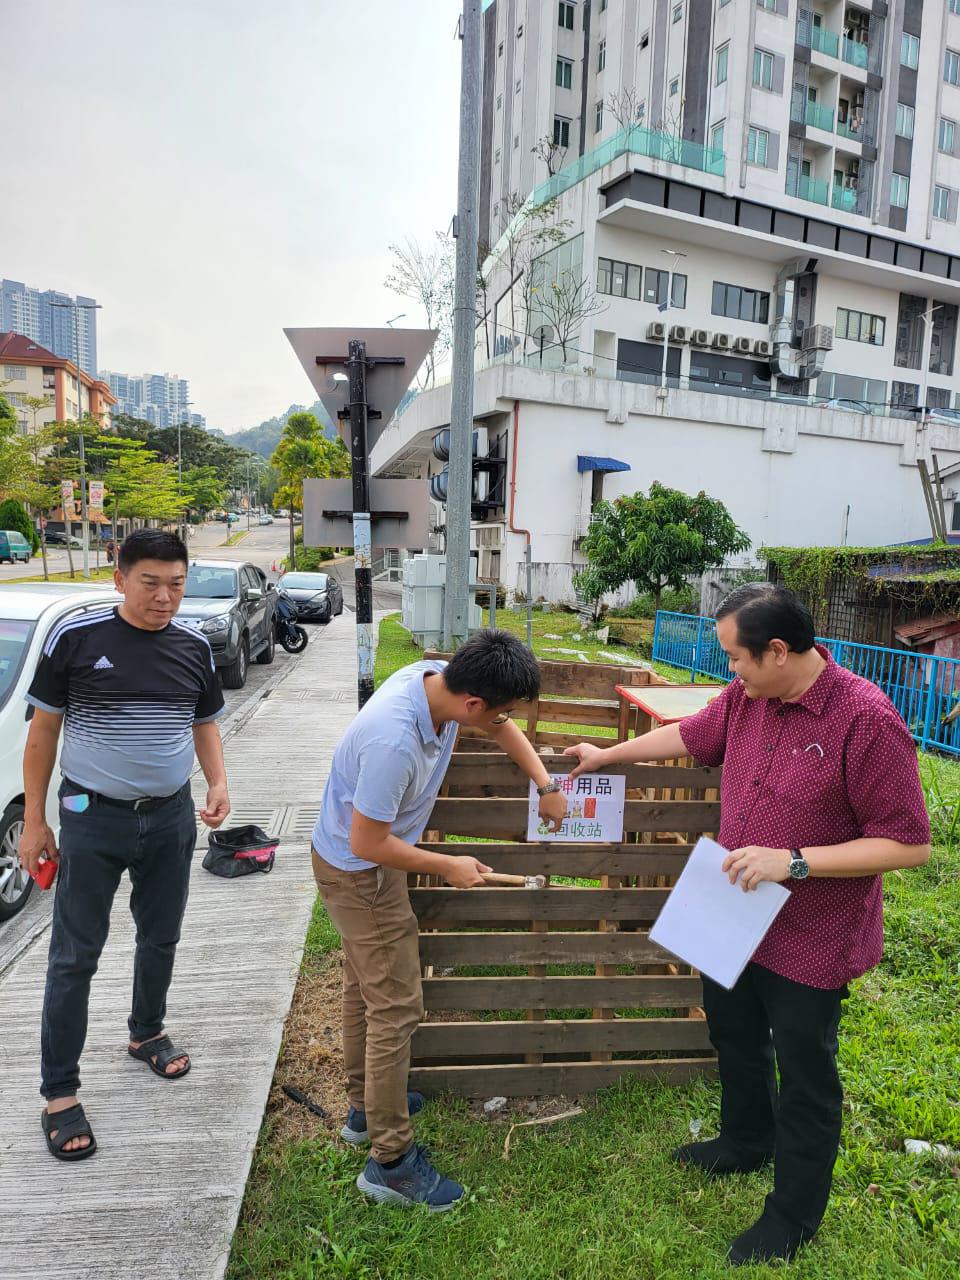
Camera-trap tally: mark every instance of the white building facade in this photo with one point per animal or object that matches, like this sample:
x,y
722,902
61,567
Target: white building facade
x,y
788,178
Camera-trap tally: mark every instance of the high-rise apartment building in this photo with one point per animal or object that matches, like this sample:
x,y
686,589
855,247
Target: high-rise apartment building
x,y
41,316
723,253
160,398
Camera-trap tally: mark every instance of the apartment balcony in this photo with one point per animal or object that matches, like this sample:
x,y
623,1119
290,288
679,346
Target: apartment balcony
x,y
813,114
819,38
855,53
828,194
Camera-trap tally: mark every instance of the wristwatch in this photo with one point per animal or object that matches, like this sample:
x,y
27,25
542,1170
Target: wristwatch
x,y
549,789
799,866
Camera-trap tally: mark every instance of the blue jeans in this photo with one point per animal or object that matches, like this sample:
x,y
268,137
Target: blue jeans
x,y
96,847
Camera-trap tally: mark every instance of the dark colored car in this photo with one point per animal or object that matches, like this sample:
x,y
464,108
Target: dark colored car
x,y
57,538
233,605
318,596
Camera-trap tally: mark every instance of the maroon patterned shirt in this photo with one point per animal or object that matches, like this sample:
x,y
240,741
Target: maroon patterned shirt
x,y
836,765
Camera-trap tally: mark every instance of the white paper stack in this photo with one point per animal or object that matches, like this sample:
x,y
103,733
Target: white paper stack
x,y
711,924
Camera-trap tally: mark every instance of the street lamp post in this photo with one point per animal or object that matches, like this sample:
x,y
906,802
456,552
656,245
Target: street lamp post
x,y
673,253
84,514
926,317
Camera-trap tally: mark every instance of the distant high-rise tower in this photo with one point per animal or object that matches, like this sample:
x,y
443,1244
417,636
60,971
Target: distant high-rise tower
x,y
32,312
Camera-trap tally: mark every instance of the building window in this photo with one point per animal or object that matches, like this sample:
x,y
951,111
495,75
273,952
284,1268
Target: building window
x,y
846,386
909,50
770,5
943,340
500,49
561,132
904,395
15,372
496,156
499,101
757,144
904,124
520,31
601,55
899,190
603,6
724,3
564,73
598,117
942,204
516,141
762,69
909,344
951,67
644,41
641,112
565,18
723,57
655,282
955,6
716,136
737,303
948,133
674,86
860,326
516,87
677,12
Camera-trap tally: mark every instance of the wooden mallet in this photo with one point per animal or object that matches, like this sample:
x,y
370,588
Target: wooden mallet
x,y
520,882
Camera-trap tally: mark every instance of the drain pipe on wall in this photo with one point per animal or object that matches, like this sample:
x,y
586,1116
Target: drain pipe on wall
x,y
513,528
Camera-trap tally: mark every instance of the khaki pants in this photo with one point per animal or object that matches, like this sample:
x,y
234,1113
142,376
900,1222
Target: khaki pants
x,y
382,996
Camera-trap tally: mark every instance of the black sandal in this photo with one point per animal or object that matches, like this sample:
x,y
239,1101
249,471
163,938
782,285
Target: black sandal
x,y
164,1052
70,1123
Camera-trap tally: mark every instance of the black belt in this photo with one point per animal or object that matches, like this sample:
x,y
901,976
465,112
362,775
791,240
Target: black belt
x,y
145,804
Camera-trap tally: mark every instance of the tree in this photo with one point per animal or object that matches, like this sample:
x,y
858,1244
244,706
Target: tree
x,y
563,304
528,233
550,152
304,453
625,107
8,419
656,541
204,490
13,515
426,276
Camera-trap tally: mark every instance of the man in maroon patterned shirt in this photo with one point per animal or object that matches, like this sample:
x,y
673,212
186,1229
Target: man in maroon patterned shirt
x,y
820,792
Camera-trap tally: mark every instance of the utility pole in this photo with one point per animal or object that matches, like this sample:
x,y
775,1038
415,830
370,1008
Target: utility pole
x,y
456,603
362,549
84,515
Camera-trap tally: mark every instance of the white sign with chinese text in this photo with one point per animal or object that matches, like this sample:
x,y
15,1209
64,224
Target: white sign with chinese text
x,y
594,810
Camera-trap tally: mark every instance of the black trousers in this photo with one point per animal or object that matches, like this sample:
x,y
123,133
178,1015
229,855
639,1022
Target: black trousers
x,y
96,847
767,1020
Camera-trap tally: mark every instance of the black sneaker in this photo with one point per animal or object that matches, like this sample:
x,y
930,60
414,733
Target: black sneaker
x,y
355,1130
413,1181
719,1157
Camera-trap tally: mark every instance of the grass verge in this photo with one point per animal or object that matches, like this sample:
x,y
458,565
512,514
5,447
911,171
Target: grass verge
x,y
597,1196
103,574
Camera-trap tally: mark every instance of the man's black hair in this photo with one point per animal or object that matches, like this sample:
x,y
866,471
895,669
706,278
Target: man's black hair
x,y
765,612
150,544
494,666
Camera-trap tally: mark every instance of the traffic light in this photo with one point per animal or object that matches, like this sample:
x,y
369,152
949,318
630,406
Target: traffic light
x,y
489,467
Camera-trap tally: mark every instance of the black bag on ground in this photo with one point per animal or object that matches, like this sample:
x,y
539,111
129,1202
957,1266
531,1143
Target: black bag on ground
x,y
239,851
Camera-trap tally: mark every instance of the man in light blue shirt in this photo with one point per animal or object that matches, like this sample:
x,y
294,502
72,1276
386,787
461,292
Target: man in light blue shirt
x,y
386,773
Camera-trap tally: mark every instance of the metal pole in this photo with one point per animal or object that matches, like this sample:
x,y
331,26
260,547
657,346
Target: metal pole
x,y
362,551
456,599
84,521
529,559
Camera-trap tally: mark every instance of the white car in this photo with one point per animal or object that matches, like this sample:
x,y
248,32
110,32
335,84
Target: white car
x,y
27,615
266,518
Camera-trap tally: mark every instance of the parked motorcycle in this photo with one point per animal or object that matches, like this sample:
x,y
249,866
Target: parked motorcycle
x,y
288,634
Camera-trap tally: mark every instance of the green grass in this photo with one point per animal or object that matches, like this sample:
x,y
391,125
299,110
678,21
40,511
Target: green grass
x,y
235,538
103,574
597,1196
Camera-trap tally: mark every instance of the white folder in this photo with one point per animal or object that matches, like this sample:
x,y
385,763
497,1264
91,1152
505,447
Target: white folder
x,y
711,924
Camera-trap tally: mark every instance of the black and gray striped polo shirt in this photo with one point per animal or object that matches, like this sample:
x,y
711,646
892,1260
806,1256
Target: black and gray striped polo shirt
x,y
129,698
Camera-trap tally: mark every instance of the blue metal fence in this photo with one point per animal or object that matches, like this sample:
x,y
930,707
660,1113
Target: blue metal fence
x,y
925,690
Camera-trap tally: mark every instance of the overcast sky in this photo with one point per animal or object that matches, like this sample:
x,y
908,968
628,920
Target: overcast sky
x,y
214,170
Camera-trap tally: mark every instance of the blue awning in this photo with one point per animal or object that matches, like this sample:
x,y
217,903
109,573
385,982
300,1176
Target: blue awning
x,y
600,464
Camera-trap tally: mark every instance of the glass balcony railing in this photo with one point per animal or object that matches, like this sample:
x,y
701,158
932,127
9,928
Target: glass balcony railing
x,y
818,38
819,117
852,130
830,195
855,53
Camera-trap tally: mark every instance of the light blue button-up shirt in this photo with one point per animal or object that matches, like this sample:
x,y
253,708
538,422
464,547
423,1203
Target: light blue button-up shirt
x,y
389,765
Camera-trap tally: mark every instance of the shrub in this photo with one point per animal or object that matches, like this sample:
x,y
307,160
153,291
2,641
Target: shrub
x,y
685,601
13,515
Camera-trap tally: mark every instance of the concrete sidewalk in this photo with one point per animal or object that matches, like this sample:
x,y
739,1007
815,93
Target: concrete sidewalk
x,y
161,1196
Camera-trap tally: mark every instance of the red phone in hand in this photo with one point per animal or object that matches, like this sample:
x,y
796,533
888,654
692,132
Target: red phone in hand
x,y
46,873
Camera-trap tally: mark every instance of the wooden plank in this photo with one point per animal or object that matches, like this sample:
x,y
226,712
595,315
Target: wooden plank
x,y
547,739
477,906
582,680
638,991
559,1035
568,712
549,1078
464,770
588,861
508,817
497,948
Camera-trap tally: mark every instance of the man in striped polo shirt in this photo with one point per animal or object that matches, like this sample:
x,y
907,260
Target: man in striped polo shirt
x,y
137,695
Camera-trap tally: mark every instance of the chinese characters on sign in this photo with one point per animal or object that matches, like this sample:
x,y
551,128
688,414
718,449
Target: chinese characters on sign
x,y
594,810
95,490
66,495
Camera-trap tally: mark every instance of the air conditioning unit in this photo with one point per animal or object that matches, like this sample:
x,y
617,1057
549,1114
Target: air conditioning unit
x,y
656,330
722,341
679,333
743,346
817,337
700,337
763,347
